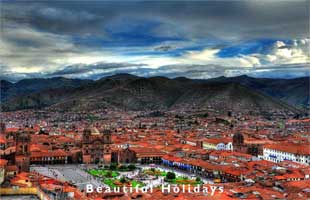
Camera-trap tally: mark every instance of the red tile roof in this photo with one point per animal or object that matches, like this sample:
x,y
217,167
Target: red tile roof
x,y
3,162
291,148
2,139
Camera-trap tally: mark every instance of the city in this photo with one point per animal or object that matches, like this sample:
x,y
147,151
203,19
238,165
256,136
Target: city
x,y
248,157
154,100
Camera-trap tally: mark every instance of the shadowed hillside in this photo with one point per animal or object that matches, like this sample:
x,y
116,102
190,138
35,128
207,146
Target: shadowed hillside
x,y
127,92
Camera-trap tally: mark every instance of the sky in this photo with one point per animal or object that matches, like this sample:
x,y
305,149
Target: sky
x,y
194,39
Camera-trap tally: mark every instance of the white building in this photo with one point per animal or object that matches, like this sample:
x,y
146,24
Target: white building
x,y
221,144
287,151
2,170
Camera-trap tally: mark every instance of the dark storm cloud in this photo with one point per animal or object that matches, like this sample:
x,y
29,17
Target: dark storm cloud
x,y
228,20
47,34
54,19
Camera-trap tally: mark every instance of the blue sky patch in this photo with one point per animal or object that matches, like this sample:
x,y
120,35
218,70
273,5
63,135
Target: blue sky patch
x,y
258,46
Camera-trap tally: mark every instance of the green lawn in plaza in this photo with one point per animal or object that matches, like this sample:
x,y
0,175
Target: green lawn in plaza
x,y
183,180
155,172
111,171
114,182
109,182
103,173
172,178
176,180
134,183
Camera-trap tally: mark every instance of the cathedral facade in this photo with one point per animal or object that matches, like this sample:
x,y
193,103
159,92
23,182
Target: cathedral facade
x,y
96,146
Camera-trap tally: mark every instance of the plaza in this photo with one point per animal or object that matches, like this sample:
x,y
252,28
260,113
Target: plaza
x,y
74,174
81,175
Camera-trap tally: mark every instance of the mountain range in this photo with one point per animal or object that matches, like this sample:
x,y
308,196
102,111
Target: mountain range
x,y
129,92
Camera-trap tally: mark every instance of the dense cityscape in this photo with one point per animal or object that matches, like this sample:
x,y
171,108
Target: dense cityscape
x,y
55,155
154,100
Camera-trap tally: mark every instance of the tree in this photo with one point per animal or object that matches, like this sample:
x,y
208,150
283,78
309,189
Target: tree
x,y
113,166
198,179
170,175
131,167
122,167
123,179
108,174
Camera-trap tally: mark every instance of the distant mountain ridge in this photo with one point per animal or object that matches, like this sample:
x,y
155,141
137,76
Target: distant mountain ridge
x,y
295,91
129,92
29,86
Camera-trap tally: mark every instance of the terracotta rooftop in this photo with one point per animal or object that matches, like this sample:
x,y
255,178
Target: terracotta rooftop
x,y
2,139
54,153
3,162
290,147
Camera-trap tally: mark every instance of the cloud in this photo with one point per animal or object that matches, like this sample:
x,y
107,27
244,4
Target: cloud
x,y
53,18
28,50
95,68
23,47
297,52
163,48
277,53
233,20
201,39
210,71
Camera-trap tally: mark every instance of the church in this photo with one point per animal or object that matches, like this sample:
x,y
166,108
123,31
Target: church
x,y
96,146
